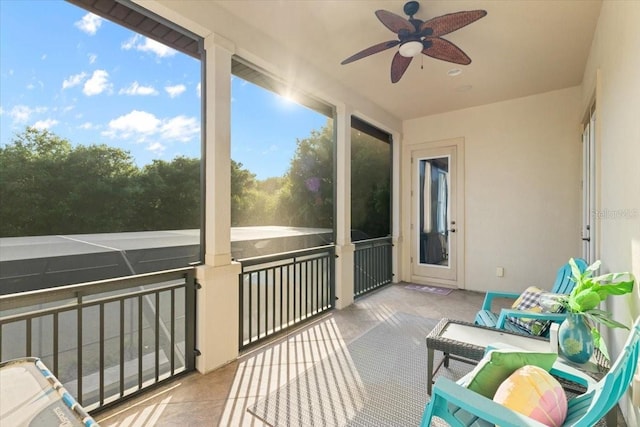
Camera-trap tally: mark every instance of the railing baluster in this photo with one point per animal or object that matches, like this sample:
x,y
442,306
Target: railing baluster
x,y
309,287
314,289
101,347
288,294
29,330
157,336
257,305
55,344
79,397
266,302
122,347
273,301
173,331
250,311
281,297
140,348
296,283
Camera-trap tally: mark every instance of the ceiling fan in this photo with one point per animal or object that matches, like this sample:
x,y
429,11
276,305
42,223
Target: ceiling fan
x,y
416,36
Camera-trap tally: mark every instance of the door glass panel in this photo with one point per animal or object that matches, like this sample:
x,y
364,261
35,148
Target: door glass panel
x,y
434,211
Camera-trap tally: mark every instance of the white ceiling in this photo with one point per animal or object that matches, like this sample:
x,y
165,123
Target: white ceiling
x,y
522,47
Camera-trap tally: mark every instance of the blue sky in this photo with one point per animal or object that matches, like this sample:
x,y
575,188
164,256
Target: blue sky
x,y
95,82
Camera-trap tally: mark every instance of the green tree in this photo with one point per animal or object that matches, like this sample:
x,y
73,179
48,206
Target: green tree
x,y
49,187
370,184
97,189
307,196
168,195
243,184
30,171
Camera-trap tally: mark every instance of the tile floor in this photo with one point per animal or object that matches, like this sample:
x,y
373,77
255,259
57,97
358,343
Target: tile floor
x,y
220,398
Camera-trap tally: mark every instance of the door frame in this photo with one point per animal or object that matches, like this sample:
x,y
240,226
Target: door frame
x,y
457,193
590,224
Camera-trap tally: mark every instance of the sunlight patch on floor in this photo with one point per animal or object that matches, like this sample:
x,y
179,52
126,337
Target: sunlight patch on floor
x,y
149,415
267,369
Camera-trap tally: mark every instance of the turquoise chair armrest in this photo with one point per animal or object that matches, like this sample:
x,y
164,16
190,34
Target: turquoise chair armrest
x,y
567,372
446,392
488,298
554,317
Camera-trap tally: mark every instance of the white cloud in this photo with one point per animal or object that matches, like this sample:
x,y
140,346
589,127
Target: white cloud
x,y
44,56
98,83
145,44
136,89
45,124
199,90
32,86
156,148
89,23
180,128
87,126
176,90
1,111
272,149
73,80
22,113
140,125
92,58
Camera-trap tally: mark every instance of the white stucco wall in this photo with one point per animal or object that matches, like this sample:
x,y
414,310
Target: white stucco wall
x,y
522,186
615,57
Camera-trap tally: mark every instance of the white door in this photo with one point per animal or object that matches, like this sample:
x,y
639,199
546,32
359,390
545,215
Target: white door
x,y
435,228
589,189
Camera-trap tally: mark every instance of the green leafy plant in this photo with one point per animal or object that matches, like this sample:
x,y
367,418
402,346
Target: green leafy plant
x,y
589,292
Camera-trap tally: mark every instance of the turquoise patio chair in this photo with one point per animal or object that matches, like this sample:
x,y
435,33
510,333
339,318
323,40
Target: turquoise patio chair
x,y
459,406
562,285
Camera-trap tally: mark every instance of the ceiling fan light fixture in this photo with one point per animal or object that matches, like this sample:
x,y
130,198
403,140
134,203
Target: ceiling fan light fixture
x,y
411,48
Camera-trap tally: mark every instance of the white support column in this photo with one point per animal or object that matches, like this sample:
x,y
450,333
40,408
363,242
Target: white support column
x,y
218,305
344,248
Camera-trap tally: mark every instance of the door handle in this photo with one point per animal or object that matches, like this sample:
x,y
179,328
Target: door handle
x,y
452,230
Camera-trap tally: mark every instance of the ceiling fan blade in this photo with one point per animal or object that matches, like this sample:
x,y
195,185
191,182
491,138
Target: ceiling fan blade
x,y
398,66
394,22
371,50
446,24
446,51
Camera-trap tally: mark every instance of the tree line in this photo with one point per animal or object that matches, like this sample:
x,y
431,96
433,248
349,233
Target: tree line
x,y
49,186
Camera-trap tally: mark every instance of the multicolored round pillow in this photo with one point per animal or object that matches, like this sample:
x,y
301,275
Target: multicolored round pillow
x,y
533,392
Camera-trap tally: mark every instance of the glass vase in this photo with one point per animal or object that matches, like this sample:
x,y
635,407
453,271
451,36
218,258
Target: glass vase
x,y
575,339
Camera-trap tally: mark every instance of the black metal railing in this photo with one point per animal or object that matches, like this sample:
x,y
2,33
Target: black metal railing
x,y
283,290
372,265
105,340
